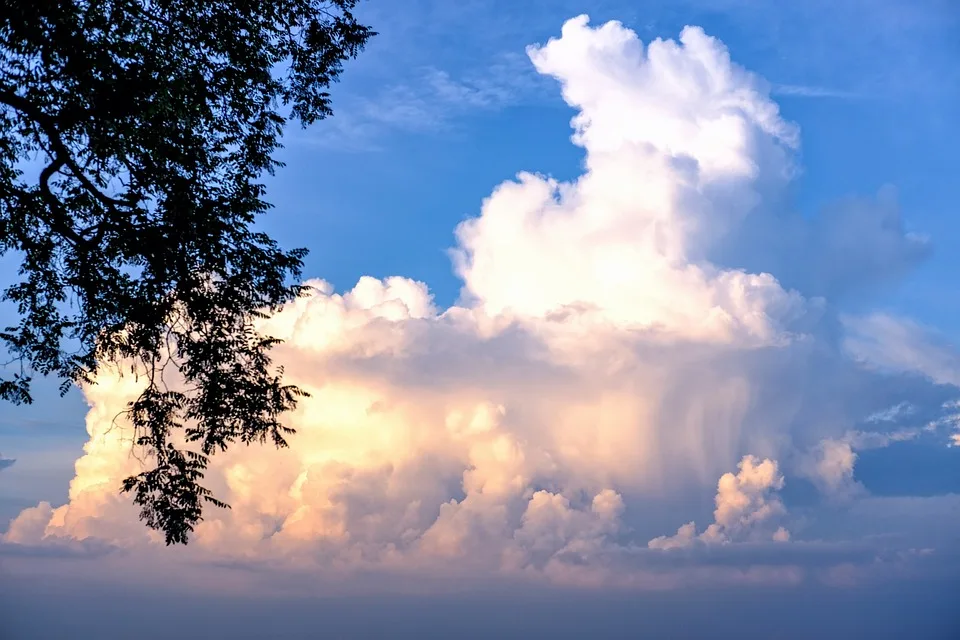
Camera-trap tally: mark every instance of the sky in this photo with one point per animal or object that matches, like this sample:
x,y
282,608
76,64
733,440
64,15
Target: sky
x,y
629,318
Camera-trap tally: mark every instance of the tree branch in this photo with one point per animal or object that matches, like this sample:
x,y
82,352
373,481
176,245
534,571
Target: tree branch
x,y
48,125
61,225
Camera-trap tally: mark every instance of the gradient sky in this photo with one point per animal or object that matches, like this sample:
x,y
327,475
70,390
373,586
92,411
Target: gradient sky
x,y
599,364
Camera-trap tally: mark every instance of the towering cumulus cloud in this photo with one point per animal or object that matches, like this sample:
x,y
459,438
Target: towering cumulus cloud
x,y
680,144
604,364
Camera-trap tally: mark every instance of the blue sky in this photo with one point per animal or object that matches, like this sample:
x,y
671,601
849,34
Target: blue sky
x,y
442,107
872,89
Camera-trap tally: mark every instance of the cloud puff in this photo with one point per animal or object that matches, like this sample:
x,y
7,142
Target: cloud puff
x,y
830,463
830,466
599,364
6,462
745,503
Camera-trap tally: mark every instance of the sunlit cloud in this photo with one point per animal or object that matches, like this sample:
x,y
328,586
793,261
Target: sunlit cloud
x,y
601,361
746,504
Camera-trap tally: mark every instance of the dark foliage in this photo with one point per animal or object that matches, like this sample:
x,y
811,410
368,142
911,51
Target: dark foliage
x,y
151,124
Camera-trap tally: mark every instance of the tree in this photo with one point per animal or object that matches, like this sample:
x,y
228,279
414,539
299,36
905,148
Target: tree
x,y
154,122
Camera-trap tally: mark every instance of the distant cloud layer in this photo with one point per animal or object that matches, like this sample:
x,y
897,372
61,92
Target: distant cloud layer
x,y
610,355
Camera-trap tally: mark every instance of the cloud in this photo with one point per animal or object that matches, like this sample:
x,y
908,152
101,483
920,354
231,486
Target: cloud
x,y
746,503
950,418
851,248
29,526
900,344
892,413
6,463
807,91
60,550
429,101
830,466
847,51
599,365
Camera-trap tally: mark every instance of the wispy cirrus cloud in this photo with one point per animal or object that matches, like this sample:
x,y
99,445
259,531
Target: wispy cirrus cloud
x,y
430,101
436,63
806,91
900,344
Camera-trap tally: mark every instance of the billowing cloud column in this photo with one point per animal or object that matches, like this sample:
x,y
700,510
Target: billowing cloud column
x,y
599,362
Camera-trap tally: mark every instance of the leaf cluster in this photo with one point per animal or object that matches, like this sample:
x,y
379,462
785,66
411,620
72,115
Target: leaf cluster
x,y
134,139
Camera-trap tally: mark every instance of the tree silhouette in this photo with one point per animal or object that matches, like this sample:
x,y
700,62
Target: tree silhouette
x,y
153,123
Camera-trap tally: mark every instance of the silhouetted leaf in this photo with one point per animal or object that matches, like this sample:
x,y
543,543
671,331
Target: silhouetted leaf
x,y
155,122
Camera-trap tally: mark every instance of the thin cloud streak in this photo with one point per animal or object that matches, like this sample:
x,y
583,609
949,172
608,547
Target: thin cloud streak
x,y
430,103
805,91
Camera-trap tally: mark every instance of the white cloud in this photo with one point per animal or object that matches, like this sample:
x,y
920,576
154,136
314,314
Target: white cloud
x,y
809,91
598,362
951,419
29,526
677,139
746,505
428,100
900,344
746,498
892,413
830,466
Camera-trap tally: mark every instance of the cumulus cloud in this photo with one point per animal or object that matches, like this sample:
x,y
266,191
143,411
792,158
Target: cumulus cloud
x,y
746,504
30,524
599,363
830,466
678,140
